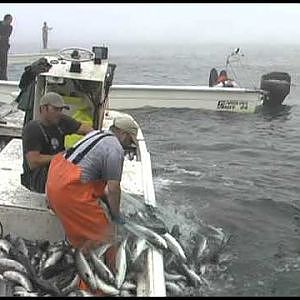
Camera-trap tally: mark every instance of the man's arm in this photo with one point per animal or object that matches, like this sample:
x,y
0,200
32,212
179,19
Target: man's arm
x,y
35,159
10,31
112,194
84,129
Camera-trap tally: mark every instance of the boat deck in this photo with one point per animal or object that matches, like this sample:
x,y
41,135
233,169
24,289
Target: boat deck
x,y
25,213
21,211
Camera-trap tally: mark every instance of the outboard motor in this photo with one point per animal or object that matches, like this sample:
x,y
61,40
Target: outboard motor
x,y
277,84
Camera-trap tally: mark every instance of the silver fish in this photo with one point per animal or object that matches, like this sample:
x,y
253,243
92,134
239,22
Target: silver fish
x,y
3,254
101,268
121,264
84,269
174,288
80,293
127,285
202,247
42,260
5,245
174,246
102,249
174,277
140,246
106,288
53,258
146,233
26,294
10,264
191,275
19,278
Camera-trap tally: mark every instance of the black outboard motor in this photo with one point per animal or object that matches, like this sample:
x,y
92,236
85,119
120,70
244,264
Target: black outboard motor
x,y
277,84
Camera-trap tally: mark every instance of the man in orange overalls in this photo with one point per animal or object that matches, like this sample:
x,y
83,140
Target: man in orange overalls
x,y
77,178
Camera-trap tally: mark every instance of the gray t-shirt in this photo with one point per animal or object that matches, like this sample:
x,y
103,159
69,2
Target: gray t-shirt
x,y
104,161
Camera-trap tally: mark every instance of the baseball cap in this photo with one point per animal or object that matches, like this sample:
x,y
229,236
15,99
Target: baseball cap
x,y
53,99
128,125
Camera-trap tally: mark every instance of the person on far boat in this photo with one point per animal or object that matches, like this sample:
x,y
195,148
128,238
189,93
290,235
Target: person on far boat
x,y
45,30
224,81
44,138
84,177
213,77
5,32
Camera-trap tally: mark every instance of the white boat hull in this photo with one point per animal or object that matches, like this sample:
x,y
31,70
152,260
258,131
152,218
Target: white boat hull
x,y
194,97
28,58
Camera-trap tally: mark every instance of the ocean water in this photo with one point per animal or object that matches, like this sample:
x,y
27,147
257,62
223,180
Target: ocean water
x,y
236,172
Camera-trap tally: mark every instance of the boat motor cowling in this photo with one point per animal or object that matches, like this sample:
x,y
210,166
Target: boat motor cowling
x,y
278,85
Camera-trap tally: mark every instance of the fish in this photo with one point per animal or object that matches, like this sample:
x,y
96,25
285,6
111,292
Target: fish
x,y
5,246
11,264
175,247
102,249
25,294
18,278
191,275
174,288
53,258
199,248
140,246
80,293
174,277
128,286
84,269
121,264
106,288
144,232
102,270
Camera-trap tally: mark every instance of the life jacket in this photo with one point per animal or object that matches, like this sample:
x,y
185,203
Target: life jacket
x,y
222,78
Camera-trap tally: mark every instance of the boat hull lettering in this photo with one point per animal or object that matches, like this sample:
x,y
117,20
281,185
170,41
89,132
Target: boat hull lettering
x,y
232,105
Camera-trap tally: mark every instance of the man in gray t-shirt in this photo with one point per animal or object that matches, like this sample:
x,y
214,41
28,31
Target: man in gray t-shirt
x,y
90,170
104,161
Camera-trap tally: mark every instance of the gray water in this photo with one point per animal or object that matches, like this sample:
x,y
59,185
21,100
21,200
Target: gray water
x,y
233,171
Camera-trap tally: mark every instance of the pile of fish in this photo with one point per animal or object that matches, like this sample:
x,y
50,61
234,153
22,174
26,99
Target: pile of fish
x,y
40,268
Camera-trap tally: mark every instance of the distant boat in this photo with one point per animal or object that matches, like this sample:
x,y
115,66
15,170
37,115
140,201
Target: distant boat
x,y
274,87
20,58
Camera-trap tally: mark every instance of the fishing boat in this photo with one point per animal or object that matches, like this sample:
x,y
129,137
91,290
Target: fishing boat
x,y
84,81
28,58
274,88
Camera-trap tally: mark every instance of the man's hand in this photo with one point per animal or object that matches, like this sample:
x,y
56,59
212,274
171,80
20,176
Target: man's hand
x,y
118,219
36,159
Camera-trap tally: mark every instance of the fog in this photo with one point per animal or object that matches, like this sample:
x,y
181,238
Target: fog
x,y
192,23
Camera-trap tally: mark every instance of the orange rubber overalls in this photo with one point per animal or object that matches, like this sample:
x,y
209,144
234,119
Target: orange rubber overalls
x,y
75,204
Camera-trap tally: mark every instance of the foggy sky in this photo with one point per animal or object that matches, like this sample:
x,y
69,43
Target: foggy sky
x,y
81,23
